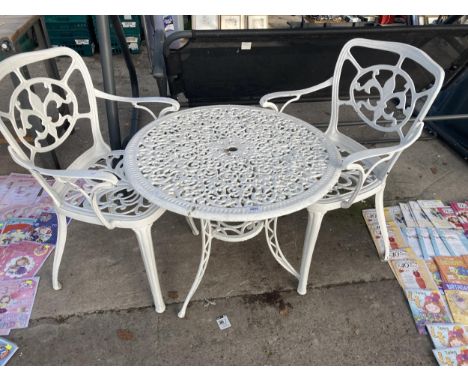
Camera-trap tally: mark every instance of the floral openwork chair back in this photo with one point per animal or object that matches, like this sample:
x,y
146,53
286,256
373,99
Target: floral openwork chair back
x,y
390,99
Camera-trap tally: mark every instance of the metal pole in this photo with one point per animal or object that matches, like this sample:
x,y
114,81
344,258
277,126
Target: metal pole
x,y
105,51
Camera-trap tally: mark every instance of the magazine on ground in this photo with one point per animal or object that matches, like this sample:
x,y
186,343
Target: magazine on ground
x,y
438,245
431,210
23,190
432,266
412,274
452,269
412,239
452,356
421,219
448,335
461,209
457,299
7,349
16,302
23,260
451,217
425,243
427,306
455,241
408,215
16,230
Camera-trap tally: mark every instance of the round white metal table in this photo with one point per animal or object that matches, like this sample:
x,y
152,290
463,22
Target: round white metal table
x,y
233,167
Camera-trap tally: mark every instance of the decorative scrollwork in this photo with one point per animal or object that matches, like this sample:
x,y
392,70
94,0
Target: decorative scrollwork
x,y
348,180
121,199
393,88
236,231
39,131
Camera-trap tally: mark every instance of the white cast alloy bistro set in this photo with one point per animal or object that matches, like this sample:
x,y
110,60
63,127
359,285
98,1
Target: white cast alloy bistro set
x,y
236,168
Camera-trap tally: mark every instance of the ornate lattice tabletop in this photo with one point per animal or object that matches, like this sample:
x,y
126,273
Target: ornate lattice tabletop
x,y
235,168
231,163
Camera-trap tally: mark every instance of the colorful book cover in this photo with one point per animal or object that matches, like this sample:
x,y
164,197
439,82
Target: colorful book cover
x,y
457,299
431,210
425,243
412,239
448,335
461,209
23,260
427,306
455,241
45,229
394,214
452,356
16,302
432,267
413,274
16,230
438,245
450,216
452,269
408,215
7,349
421,219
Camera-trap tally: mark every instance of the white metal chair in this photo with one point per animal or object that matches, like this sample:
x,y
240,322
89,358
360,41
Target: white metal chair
x,y
396,107
93,188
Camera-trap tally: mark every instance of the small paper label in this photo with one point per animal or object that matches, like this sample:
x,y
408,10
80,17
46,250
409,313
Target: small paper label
x,y
246,46
132,40
129,24
82,42
223,322
127,17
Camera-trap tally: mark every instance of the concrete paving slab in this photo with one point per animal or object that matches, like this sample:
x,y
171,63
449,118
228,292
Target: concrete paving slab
x,y
360,324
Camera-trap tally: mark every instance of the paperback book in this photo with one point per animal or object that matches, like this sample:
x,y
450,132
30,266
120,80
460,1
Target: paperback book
x,y
408,216
457,299
431,210
16,230
452,356
450,216
455,241
448,335
412,274
434,270
23,260
452,269
427,306
421,219
461,209
16,302
7,349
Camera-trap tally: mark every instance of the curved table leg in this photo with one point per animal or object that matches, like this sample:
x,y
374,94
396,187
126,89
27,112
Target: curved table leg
x,y
206,249
272,240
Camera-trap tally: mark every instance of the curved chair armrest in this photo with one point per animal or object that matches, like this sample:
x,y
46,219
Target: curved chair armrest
x,y
296,94
382,154
102,179
135,101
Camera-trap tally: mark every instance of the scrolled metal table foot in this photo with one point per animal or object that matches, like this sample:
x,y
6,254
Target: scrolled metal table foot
x,y
207,237
272,240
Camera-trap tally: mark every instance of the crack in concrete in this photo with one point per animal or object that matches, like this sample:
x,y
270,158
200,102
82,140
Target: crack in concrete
x,y
61,319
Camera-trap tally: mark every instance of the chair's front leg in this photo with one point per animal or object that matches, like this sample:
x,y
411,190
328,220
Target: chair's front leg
x,y
59,248
379,210
313,228
207,237
145,242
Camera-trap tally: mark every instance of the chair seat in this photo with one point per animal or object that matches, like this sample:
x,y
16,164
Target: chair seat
x,y
348,180
119,203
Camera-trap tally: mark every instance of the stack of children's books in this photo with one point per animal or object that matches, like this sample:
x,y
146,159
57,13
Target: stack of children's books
x,y
429,257
28,232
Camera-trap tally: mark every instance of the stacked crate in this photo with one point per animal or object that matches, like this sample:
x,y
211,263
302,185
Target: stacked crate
x,y
74,32
132,30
